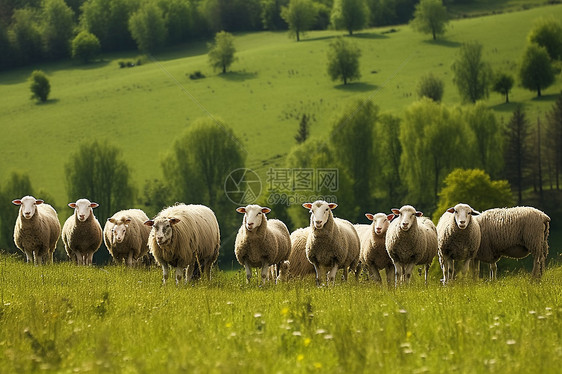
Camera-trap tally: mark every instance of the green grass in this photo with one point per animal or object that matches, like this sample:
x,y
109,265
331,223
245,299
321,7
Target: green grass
x,y
475,8
69,319
143,109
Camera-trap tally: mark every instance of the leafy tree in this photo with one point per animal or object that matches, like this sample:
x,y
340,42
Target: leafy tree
x,y
271,14
221,54
434,141
343,60
232,15
147,26
25,35
85,47
536,72
502,84
108,20
554,137
156,196
547,32
352,140
472,75
430,17
516,151
431,87
303,131
300,16
475,188
40,86
350,15
98,172
57,27
178,19
17,186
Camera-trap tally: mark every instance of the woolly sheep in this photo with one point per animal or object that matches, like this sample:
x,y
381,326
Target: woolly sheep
x,y
458,239
185,237
297,265
126,236
373,254
332,242
261,242
514,232
81,233
37,229
410,240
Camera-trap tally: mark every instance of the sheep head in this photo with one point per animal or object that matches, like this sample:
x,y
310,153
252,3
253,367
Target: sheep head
x,y
463,214
253,216
28,206
380,222
120,228
320,212
162,228
406,216
83,208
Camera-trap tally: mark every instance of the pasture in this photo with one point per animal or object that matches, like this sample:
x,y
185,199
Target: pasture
x,y
67,319
275,80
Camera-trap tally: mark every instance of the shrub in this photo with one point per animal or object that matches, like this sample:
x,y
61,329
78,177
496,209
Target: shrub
x,y
40,86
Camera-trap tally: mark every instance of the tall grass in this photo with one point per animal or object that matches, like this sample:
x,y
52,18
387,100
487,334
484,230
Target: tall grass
x,y
69,319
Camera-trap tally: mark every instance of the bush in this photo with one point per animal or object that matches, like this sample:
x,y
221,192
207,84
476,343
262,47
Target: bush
x,y
196,75
85,47
40,86
431,87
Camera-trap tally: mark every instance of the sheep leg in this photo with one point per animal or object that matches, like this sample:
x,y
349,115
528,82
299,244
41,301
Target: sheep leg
x,y
426,275
317,271
78,258
248,272
37,260
165,270
374,273
399,273
493,271
264,273
179,274
332,274
408,272
129,260
29,256
475,269
390,276
466,268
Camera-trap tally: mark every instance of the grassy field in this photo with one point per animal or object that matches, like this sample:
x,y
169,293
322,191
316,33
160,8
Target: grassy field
x,y
68,319
143,109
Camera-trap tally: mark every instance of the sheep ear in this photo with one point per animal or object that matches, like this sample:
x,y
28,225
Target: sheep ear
x,y
332,206
265,210
419,214
72,205
127,221
307,205
173,221
39,202
16,202
149,223
395,211
369,216
112,220
94,205
475,213
241,209
390,217
451,210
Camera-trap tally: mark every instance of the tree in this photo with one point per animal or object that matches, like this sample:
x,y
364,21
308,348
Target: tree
x,y
350,15
472,75
58,27
547,32
475,188
98,172
536,71
25,35
85,47
343,60
17,186
554,137
147,27
178,19
516,151
502,84
271,14
300,16
40,86
430,17
431,87
303,131
221,54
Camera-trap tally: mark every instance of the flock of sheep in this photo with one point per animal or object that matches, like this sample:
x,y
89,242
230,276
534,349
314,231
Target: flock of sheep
x,y
187,238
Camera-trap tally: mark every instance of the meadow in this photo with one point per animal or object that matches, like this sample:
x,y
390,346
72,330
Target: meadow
x,y
275,80
112,319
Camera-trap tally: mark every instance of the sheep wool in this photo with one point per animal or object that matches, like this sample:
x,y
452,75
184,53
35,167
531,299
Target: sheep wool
x,y
374,256
37,229
126,236
82,233
298,265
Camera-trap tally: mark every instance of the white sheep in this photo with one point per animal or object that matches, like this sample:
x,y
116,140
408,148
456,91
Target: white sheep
x,y
373,254
410,240
126,236
332,242
516,233
82,233
458,239
297,266
37,229
185,237
260,242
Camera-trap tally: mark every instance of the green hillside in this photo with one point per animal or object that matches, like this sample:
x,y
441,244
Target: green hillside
x,y
275,79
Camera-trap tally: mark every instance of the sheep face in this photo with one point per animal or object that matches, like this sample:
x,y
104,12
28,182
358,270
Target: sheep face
x,y
120,229
406,216
253,216
319,212
28,206
380,222
162,229
463,214
83,209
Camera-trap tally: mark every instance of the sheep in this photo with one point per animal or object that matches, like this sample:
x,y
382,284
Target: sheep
x,y
332,242
126,236
82,233
373,254
514,232
261,242
297,265
410,240
37,229
185,237
458,239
